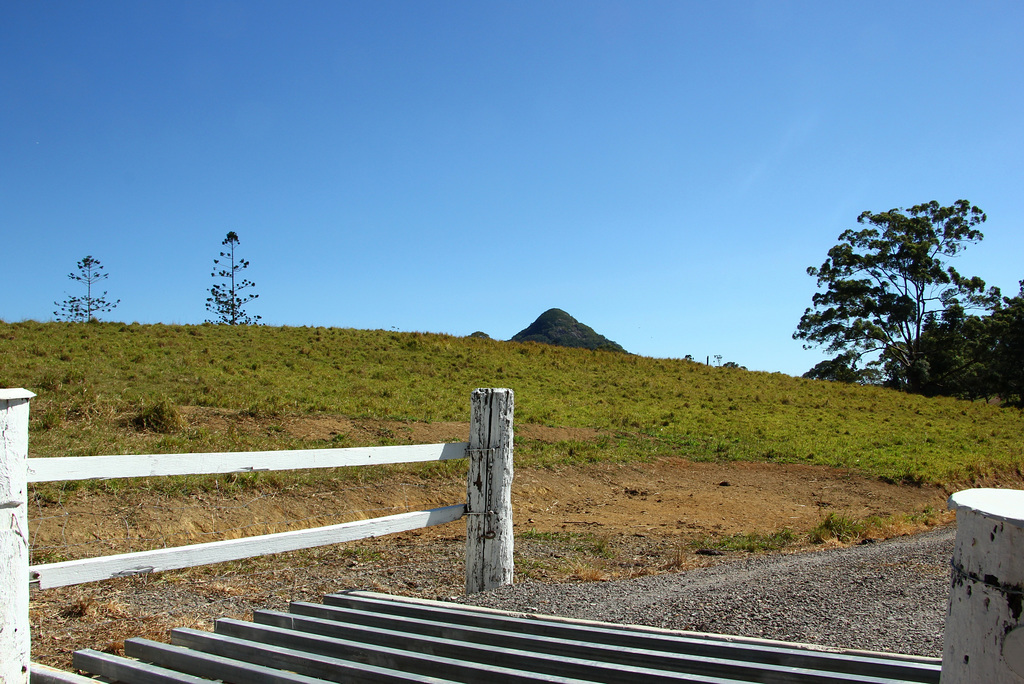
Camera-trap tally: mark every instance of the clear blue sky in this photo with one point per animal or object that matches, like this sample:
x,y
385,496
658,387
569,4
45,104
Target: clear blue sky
x,y
663,171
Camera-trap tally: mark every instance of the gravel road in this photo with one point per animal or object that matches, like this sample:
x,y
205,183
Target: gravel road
x,y
888,596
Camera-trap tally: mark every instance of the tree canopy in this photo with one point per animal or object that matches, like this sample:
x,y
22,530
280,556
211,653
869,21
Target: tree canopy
x,y
1006,336
887,287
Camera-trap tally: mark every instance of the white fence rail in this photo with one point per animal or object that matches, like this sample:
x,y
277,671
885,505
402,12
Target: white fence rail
x,y
63,469
488,509
84,570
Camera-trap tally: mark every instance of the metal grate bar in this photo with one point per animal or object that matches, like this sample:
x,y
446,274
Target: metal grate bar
x,y
898,668
348,657
531,664
377,639
438,637
116,668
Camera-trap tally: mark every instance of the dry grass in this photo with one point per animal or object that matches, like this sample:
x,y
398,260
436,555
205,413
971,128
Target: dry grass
x,y
585,572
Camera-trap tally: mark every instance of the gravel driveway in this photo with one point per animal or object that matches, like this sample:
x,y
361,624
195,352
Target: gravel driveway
x,y
888,596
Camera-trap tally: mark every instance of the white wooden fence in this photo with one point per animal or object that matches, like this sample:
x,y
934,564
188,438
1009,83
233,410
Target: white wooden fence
x,y
488,509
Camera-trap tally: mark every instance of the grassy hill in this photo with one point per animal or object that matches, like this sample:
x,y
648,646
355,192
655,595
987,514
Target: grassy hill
x,y
110,388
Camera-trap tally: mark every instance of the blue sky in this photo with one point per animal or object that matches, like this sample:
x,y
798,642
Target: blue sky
x,y
663,171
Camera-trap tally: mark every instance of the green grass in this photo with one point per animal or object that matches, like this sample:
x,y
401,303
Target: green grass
x,y
582,543
534,535
115,388
750,542
834,526
839,527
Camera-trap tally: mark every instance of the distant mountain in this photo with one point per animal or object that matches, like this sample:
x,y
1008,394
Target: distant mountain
x,y
556,327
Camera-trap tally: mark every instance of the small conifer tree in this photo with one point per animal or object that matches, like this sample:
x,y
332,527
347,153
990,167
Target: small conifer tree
x,y
87,308
226,301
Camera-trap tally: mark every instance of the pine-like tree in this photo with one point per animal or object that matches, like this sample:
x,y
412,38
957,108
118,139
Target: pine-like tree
x,y
226,300
85,309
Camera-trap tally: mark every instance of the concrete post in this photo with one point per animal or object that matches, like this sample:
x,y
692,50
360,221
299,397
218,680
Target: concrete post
x,y
489,540
984,637
15,644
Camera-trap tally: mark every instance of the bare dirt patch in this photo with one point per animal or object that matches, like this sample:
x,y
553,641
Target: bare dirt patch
x,y
676,497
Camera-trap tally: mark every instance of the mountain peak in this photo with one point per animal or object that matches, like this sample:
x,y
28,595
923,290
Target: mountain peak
x,y
556,327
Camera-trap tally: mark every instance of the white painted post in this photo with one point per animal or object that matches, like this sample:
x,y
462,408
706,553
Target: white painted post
x,y
489,539
984,637
15,645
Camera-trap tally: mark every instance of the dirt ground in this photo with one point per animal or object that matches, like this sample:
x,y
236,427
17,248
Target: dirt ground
x,y
597,522
668,496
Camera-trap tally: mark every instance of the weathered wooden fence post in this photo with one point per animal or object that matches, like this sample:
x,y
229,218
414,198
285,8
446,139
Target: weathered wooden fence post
x,y
984,636
15,644
489,539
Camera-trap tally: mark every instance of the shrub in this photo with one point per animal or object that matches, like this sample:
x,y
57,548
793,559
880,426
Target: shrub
x,y
839,527
163,416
